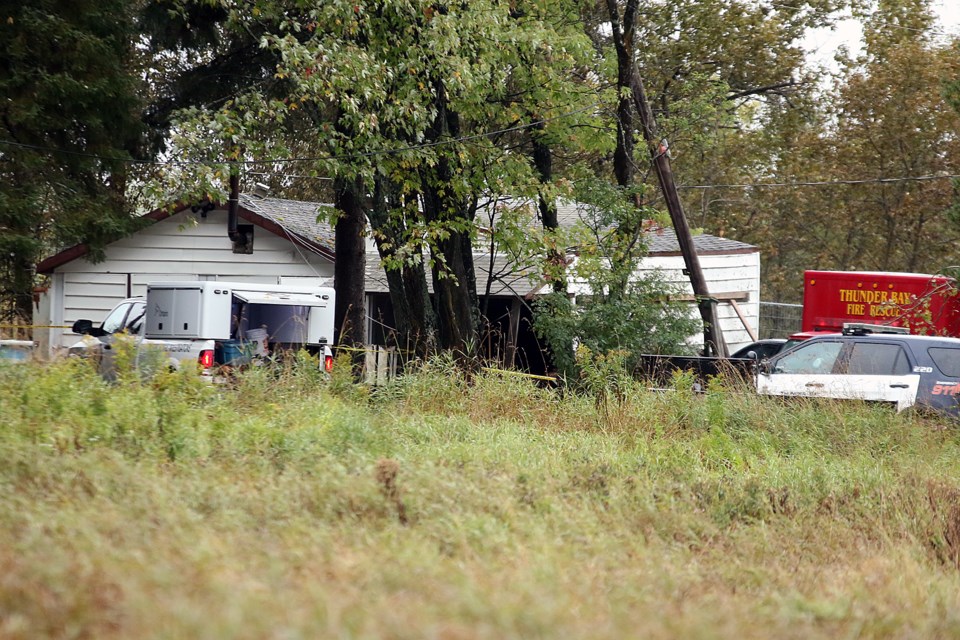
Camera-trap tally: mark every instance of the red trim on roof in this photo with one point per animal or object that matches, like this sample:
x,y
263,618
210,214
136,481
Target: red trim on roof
x,y
78,251
62,258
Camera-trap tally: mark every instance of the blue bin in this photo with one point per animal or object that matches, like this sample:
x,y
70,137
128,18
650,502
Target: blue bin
x,y
233,352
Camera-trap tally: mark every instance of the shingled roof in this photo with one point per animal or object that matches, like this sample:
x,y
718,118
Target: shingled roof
x,y
298,221
295,216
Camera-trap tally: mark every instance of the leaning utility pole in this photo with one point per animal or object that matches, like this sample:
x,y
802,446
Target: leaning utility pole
x,y
712,335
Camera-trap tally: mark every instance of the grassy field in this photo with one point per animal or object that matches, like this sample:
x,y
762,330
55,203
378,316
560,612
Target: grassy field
x,y
286,506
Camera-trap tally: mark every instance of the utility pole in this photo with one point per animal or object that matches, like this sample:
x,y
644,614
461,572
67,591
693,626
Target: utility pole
x,y
714,345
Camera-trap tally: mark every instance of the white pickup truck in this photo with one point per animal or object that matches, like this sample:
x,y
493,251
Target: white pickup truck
x,y
212,324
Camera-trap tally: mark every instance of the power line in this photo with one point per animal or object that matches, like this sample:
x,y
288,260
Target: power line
x,y
744,185
821,183
277,174
933,31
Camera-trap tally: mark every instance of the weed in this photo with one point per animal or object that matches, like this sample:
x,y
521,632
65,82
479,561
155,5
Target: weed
x,y
944,536
387,472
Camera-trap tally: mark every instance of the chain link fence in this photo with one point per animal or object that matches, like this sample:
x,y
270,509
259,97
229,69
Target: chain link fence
x,y
779,320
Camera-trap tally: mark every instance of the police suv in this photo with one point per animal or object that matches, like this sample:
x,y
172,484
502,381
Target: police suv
x,y
871,363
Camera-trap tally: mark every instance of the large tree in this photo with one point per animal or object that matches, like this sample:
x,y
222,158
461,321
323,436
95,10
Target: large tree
x,y
70,123
419,99
861,175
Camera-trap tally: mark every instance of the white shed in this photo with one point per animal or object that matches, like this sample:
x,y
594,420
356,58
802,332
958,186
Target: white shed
x,y
184,243
732,271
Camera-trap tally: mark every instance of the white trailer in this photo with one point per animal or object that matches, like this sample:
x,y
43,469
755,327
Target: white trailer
x,y
215,323
216,310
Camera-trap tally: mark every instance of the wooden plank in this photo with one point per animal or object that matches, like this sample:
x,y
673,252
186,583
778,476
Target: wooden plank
x,y
94,279
740,296
753,334
148,255
512,333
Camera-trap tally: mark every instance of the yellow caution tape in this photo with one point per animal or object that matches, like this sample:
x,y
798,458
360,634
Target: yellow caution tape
x,y
35,326
521,374
360,350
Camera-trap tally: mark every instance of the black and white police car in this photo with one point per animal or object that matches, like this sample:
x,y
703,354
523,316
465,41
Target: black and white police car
x,y
871,363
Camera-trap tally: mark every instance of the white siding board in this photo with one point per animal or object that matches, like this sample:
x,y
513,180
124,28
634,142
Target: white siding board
x,y
193,243
165,233
98,284
266,255
93,277
307,281
225,270
100,304
204,248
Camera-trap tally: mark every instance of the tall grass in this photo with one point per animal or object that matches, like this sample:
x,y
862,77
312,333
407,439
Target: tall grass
x,y
445,505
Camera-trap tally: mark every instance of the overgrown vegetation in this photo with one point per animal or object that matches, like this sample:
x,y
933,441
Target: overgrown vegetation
x,y
618,306
282,505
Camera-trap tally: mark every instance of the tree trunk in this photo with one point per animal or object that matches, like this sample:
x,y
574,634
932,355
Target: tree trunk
x,y
348,274
409,295
547,205
454,279
453,267
623,32
22,275
556,259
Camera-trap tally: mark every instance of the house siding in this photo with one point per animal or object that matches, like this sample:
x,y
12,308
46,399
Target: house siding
x,y
724,273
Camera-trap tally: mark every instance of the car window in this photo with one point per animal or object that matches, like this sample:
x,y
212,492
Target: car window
x,y
947,360
769,350
876,359
763,349
135,319
114,321
813,357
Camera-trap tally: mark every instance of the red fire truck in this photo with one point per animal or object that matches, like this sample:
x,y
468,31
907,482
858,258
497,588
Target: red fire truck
x,y
923,303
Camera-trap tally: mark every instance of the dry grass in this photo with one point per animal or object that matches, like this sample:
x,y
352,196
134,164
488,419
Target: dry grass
x,y
436,508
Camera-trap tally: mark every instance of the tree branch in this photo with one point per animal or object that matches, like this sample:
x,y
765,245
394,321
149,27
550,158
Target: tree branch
x,y
760,90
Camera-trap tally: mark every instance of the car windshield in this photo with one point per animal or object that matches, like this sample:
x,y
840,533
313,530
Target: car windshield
x,y
790,344
114,322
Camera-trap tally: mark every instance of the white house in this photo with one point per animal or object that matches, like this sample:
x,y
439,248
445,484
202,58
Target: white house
x,y
290,246
184,243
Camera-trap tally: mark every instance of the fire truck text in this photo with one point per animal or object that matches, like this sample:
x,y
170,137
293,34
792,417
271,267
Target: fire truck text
x,y
876,304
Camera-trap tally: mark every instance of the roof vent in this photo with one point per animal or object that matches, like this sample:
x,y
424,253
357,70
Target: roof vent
x,y
261,190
